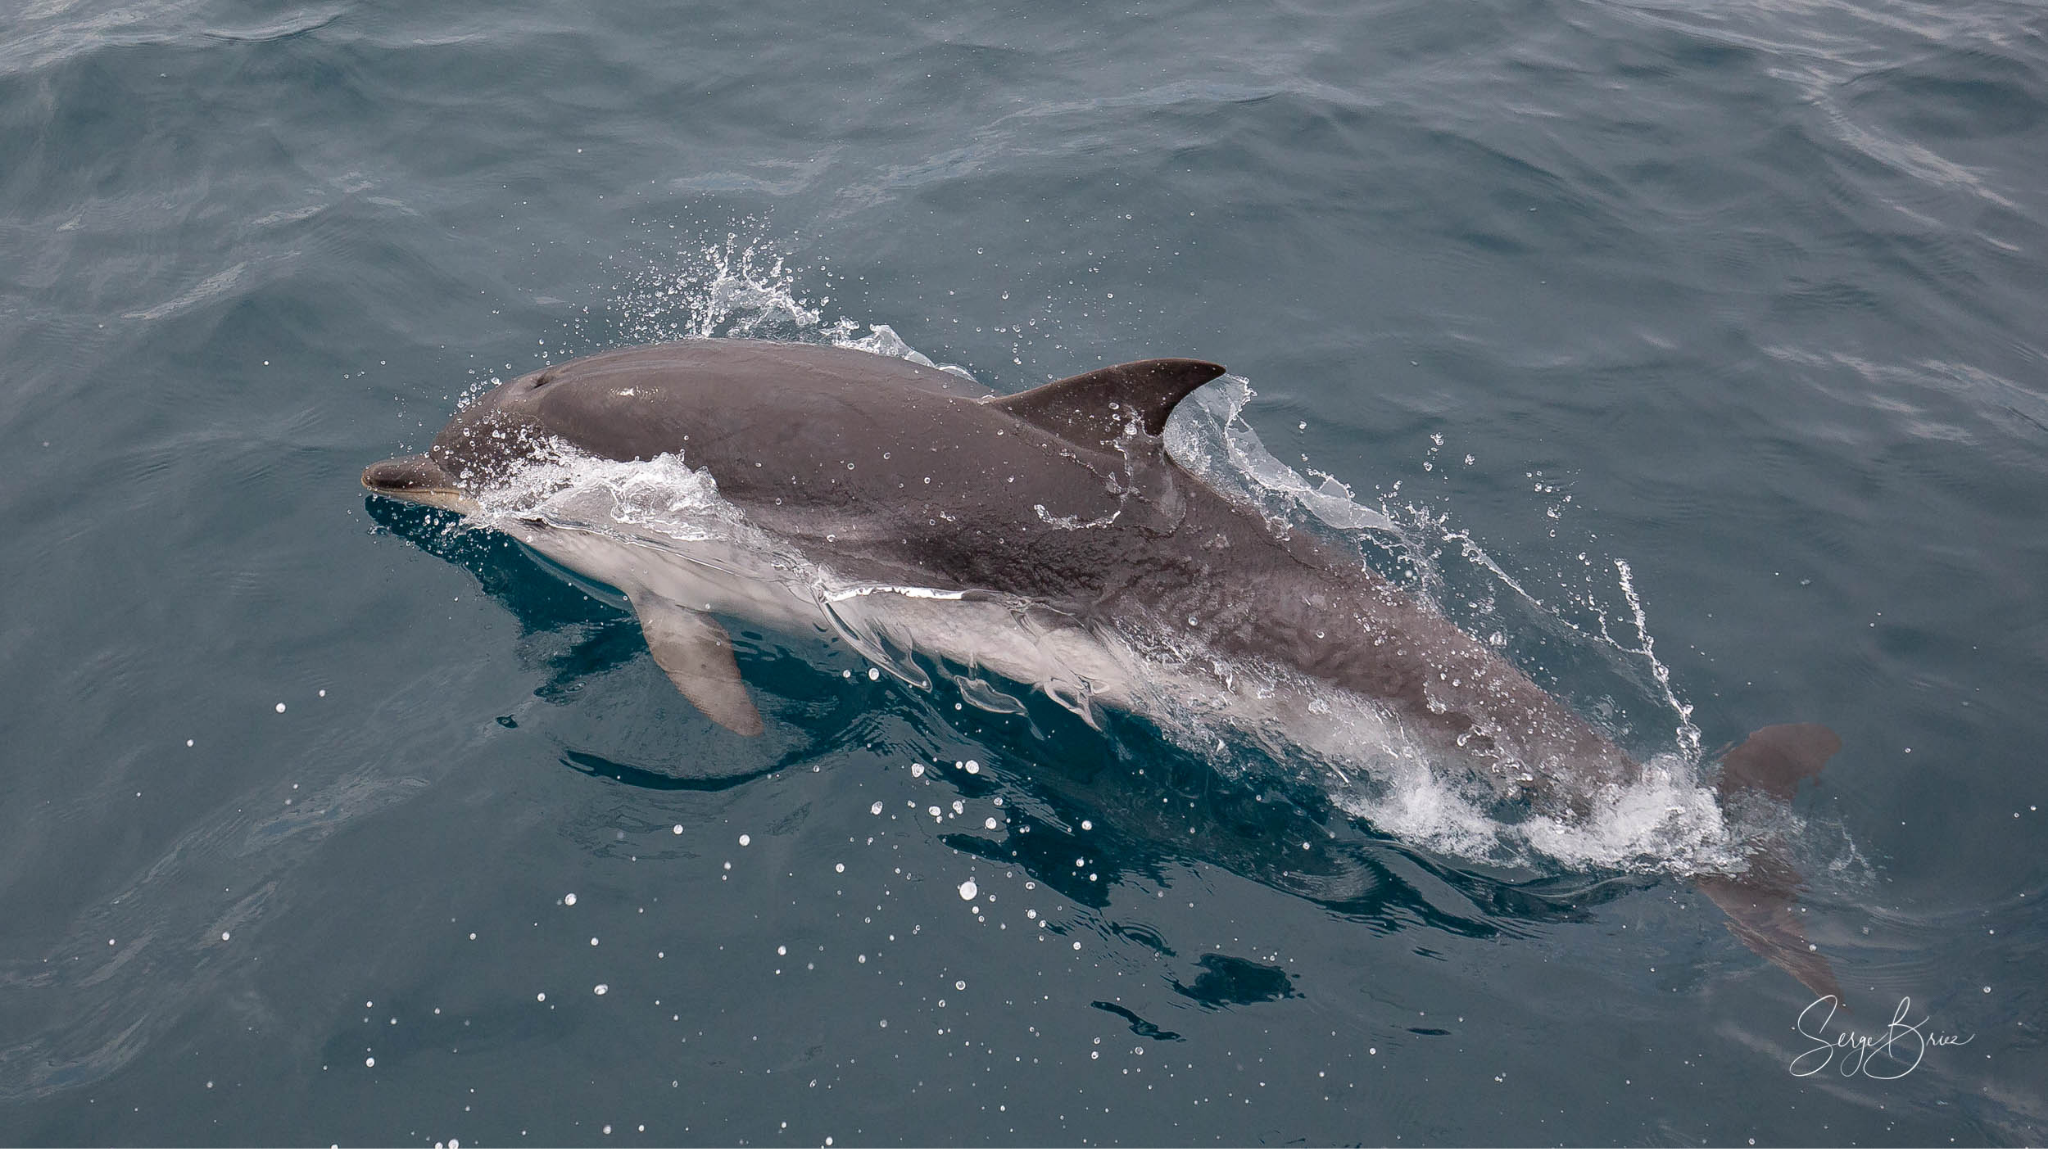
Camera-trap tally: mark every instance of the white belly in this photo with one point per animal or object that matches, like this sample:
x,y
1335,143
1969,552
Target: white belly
x,y
711,576
886,624
979,639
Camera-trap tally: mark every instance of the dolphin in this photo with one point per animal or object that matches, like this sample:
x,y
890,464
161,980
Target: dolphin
x,y
1044,537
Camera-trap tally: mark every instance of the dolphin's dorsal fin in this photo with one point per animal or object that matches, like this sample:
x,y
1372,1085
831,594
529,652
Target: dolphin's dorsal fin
x,y
696,654
1095,408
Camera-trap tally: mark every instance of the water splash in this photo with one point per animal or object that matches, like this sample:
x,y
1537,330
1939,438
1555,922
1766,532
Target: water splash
x,y
735,288
1688,734
1209,438
744,287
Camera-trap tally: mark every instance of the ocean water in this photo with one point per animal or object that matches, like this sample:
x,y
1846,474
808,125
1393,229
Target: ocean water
x,y
1694,352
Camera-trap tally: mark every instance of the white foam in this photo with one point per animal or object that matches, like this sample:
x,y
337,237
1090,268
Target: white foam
x,y
569,489
1665,820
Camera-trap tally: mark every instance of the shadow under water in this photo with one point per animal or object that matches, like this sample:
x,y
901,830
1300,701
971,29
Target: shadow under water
x,y
1151,804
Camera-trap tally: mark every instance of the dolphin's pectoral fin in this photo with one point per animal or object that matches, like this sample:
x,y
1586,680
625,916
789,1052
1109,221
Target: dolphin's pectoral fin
x,y
1761,902
1763,915
696,654
1095,408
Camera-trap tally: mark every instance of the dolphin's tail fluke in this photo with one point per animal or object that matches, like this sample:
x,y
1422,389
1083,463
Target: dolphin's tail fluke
x,y
1761,902
1777,758
1763,912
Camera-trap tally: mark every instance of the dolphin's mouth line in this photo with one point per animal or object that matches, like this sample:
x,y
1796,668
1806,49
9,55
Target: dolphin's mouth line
x,y
454,501
417,479
445,498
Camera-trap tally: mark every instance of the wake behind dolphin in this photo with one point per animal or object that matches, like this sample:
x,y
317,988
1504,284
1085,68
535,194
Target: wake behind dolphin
x,y
1044,538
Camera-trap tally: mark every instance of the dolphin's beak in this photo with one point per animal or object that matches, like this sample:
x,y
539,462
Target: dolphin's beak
x,y
416,479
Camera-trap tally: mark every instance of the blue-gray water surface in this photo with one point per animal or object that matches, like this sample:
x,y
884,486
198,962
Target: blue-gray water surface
x,y
324,821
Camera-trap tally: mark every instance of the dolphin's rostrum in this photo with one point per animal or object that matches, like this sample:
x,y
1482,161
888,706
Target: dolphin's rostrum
x,y
1043,537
